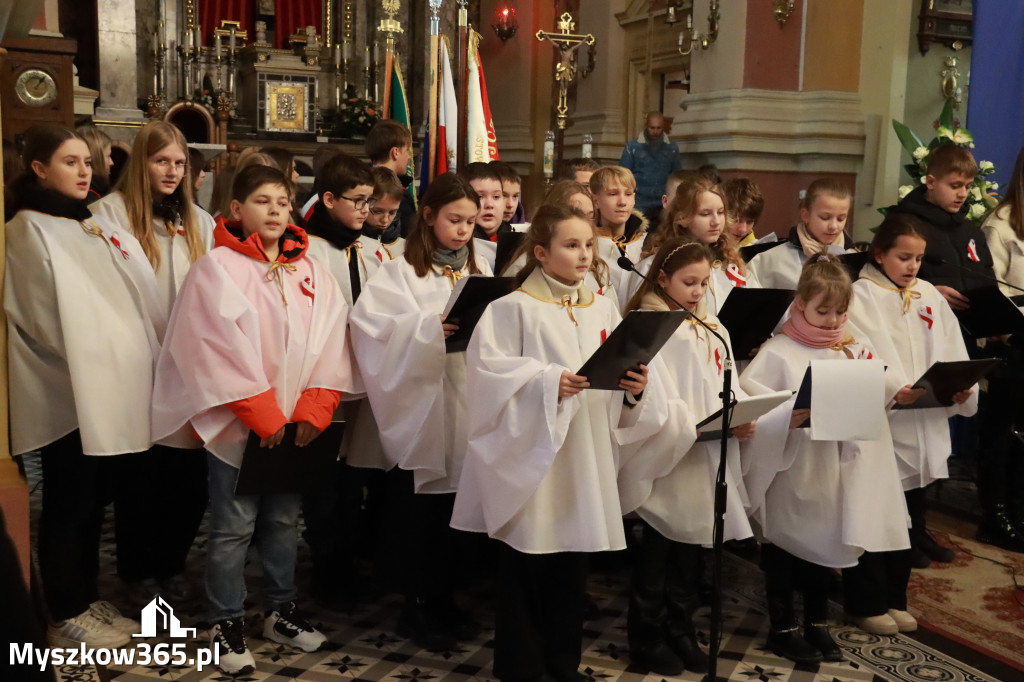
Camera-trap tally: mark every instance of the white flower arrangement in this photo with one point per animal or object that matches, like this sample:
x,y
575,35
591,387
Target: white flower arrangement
x,y
982,196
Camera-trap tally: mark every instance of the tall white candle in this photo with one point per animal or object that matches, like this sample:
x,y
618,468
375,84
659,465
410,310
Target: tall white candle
x,y
233,42
216,46
337,55
199,36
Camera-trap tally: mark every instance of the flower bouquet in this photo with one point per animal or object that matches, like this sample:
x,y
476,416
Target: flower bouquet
x,y
982,196
354,118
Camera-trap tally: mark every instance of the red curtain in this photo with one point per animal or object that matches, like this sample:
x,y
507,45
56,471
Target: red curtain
x,y
211,12
293,16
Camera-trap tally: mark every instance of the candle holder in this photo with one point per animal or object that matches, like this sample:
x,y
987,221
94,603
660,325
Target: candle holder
x,y
696,38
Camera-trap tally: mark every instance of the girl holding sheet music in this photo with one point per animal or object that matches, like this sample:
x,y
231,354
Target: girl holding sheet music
x,y
418,394
819,503
911,326
670,480
541,465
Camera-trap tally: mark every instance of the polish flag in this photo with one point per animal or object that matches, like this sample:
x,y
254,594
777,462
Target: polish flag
x,y
733,272
972,251
447,117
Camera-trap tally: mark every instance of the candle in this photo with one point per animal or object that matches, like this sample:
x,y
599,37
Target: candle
x,y
549,153
199,36
348,49
232,44
337,55
216,46
376,53
689,21
588,146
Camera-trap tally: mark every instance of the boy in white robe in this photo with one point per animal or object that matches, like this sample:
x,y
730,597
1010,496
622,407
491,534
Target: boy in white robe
x,y
620,229
256,340
486,179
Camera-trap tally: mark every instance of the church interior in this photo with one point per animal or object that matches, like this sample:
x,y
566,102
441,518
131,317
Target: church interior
x,y
778,91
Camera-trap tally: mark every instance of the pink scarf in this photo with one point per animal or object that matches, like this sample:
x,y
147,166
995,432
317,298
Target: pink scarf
x,y
803,332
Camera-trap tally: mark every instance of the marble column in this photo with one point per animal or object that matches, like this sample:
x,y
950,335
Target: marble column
x,y
119,88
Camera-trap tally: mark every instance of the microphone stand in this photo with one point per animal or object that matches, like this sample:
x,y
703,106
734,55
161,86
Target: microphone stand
x,y
721,489
939,260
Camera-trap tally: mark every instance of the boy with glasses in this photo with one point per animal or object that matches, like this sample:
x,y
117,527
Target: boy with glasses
x,y
384,226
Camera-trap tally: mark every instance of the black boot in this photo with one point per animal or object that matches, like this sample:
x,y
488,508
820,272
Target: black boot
x,y
657,657
789,643
818,636
687,648
923,541
998,529
424,625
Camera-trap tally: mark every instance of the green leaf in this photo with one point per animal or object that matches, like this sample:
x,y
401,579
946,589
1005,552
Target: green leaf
x,y
908,139
946,117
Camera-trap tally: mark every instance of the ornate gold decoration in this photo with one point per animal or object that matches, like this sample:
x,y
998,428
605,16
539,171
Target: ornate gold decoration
x,y
782,9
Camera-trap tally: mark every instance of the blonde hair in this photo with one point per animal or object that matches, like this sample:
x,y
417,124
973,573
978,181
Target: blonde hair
x,y
97,141
825,275
137,190
682,209
611,175
674,253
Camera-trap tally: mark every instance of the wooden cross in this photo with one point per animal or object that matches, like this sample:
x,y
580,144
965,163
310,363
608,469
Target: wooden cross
x,y
567,44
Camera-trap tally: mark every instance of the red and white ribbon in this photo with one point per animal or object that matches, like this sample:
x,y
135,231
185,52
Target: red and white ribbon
x,y
733,272
307,208
117,245
972,251
307,289
718,359
926,314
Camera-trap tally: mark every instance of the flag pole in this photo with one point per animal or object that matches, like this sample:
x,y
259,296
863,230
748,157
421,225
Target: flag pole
x,y
462,93
435,31
389,26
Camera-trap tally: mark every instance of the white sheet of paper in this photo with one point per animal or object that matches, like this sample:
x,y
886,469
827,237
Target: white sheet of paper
x,y
750,409
847,399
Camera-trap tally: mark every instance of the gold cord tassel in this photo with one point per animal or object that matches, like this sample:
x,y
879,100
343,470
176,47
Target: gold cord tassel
x,y
275,273
567,302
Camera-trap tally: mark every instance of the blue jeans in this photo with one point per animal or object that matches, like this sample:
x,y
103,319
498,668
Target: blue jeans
x,y
233,518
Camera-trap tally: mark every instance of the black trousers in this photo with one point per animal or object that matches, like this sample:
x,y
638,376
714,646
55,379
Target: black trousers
x,y
160,498
333,519
76,488
663,592
1000,462
784,574
539,622
877,583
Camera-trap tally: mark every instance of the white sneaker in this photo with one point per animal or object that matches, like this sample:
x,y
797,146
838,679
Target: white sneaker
x,y
86,628
228,636
904,621
876,625
108,613
286,626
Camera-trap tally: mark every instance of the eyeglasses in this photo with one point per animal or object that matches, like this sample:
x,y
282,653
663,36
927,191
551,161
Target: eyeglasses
x,y
358,204
379,212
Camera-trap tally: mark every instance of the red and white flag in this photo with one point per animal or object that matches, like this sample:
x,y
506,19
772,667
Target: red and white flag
x,y
447,117
972,251
483,144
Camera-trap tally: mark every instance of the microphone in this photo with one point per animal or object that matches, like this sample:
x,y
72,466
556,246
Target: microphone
x,y
937,261
626,264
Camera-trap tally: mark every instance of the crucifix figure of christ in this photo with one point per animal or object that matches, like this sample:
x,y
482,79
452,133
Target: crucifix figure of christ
x,y
567,43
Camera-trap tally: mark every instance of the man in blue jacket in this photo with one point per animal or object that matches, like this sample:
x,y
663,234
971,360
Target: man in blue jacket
x,y
651,157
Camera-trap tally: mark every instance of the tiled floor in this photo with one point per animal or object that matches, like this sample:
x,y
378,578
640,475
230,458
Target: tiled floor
x,y
362,646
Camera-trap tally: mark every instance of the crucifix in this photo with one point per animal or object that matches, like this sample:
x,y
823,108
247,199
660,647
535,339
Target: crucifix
x,y
567,43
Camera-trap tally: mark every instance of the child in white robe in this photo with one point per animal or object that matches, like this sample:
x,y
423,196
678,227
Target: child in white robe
x,y
418,394
83,336
153,201
256,340
383,225
823,213
620,229
698,210
675,501
541,466
820,504
911,326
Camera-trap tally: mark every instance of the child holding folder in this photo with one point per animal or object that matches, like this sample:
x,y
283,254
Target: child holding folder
x,y
819,503
909,323
541,466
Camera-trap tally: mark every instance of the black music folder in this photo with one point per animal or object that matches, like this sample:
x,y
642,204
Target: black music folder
x,y
287,468
748,252
991,314
469,299
751,315
508,242
943,379
803,397
636,341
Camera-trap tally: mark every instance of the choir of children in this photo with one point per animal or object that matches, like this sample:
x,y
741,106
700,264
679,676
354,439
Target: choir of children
x,y
504,439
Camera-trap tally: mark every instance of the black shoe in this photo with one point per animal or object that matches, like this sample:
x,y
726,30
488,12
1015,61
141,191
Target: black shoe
x,y
934,551
658,658
790,644
819,637
686,648
460,623
573,675
919,559
591,611
997,529
424,627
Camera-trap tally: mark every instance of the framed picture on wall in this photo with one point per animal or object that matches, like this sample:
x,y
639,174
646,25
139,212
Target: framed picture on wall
x,y
948,22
